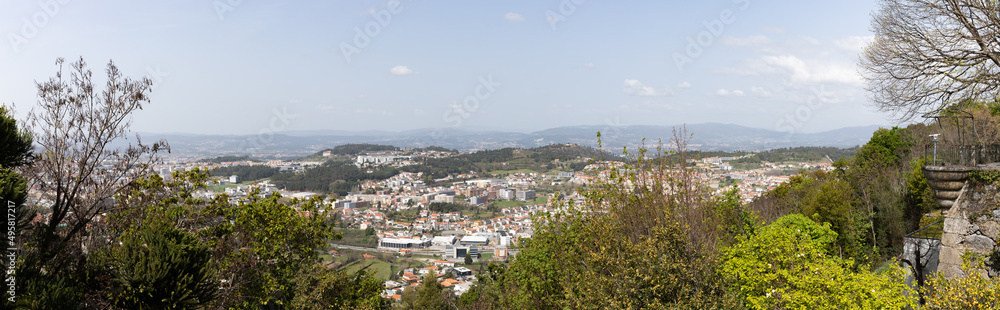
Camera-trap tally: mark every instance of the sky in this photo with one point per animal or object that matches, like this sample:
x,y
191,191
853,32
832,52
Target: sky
x,y
246,67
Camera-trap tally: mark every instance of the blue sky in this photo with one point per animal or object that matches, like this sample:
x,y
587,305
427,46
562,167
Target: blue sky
x,y
240,67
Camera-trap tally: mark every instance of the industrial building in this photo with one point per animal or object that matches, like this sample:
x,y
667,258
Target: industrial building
x,y
474,240
394,243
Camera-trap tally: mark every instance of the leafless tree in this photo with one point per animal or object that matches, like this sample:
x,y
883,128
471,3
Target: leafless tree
x,y
928,54
79,170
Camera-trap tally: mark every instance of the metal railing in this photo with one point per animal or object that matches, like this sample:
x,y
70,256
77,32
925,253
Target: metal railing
x,y
966,155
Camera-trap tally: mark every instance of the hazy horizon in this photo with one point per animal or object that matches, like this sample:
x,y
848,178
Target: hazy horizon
x,y
474,129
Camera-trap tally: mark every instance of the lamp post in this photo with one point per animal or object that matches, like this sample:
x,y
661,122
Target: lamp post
x,y
935,137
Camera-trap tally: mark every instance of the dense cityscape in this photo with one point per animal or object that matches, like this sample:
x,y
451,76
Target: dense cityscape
x,y
494,210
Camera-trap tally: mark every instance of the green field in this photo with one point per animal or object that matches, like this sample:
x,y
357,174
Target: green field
x,y
383,270
222,188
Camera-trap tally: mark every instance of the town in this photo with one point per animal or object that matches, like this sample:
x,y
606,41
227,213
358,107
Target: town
x,y
477,215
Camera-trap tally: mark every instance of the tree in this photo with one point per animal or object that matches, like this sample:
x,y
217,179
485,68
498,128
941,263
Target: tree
x,y
77,173
319,287
16,141
159,267
262,243
430,295
468,259
929,53
16,152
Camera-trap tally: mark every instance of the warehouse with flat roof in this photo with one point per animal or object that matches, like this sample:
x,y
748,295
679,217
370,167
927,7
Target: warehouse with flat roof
x,y
395,243
474,240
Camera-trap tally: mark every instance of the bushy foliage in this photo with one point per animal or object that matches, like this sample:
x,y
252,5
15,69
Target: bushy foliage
x,y
871,201
644,238
262,243
974,290
446,207
158,266
16,141
984,177
319,287
787,265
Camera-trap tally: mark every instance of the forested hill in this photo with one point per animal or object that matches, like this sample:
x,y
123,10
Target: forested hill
x,y
793,154
339,175
222,159
555,157
349,151
332,176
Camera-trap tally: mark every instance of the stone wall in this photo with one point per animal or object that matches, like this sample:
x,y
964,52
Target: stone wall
x,y
971,224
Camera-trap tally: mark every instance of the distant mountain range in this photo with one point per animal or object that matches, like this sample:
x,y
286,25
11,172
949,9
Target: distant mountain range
x,y
705,137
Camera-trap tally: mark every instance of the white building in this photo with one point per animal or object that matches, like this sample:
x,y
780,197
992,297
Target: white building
x,y
474,240
506,194
443,240
394,243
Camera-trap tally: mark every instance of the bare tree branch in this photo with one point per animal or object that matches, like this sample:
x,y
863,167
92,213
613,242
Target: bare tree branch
x,y
928,54
79,171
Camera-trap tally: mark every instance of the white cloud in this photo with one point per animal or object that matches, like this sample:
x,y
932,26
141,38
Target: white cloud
x,y
684,84
755,41
401,70
760,91
854,44
796,66
589,65
513,17
724,92
634,87
801,71
793,69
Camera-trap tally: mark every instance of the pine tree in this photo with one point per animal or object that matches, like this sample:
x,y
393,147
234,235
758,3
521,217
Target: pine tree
x,y
159,267
16,151
429,296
